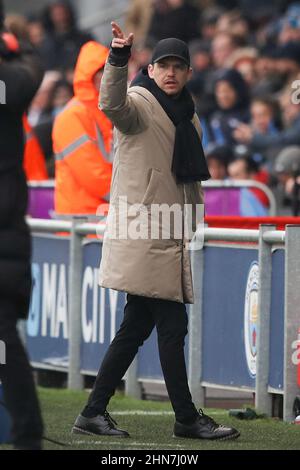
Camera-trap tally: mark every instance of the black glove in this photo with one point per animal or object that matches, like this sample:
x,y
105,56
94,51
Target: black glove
x,y
119,56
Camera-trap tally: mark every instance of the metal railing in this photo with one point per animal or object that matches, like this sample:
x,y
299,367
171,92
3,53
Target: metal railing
x,y
212,184
265,238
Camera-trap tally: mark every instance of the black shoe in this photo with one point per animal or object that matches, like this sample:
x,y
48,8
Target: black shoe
x,y
204,427
101,425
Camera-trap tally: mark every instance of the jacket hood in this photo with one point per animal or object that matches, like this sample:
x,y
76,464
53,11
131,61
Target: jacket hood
x,y
237,82
92,57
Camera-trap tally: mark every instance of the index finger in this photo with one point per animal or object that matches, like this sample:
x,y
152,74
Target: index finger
x,y
116,27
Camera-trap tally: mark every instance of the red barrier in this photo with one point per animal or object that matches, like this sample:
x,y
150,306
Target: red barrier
x,y
225,221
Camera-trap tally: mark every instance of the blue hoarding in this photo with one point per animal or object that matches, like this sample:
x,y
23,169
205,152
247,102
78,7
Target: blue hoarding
x,y
226,276
47,325
230,294
101,311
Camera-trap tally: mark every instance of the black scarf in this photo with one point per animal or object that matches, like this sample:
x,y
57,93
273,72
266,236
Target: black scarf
x,y
189,163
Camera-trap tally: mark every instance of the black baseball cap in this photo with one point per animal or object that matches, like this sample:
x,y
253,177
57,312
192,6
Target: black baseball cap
x,y
171,47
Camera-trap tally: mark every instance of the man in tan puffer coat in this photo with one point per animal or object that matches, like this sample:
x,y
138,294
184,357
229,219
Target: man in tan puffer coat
x,y
158,161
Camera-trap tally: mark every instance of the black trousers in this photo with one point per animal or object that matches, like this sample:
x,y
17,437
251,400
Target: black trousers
x,y
141,315
18,385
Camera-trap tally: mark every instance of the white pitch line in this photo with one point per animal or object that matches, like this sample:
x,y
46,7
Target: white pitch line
x,y
155,413
121,441
142,413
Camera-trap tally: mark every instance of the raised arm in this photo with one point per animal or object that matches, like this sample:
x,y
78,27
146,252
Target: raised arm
x,y
129,112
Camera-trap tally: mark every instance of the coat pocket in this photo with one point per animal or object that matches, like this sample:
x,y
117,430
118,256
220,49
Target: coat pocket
x,y
155,180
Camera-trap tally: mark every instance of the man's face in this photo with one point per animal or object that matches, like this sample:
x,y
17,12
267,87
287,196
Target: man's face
x,y
170,75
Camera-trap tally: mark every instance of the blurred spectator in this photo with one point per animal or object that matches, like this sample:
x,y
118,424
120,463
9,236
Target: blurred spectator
x,y
290,25
260,11
201,83
268,81
232,97
243,60
200,56
244,168
265,115
260,41
82,140
258,170
223,45
218,158
36,31
287,168
138,18
58,97
234,23
34,159
174,19
265,119
63,40
290,135
288,61
209,20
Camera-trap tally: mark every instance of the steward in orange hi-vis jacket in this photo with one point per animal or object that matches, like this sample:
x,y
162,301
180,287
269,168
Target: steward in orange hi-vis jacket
x,y
82,139
34,163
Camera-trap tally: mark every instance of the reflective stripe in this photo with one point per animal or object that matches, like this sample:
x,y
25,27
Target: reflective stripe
x,y
72,147
107,156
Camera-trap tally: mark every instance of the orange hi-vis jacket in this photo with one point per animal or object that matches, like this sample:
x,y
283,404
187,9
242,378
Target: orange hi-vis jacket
x,y
82,140
34,163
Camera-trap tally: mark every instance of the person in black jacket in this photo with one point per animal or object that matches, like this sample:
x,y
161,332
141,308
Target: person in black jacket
x,y
63,41
233,100
20,77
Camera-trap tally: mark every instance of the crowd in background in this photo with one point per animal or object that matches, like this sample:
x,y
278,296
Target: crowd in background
x,y
246,62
